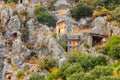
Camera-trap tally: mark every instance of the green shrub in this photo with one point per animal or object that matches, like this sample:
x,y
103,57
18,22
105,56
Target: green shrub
x,y
47,63
37,76
86,61
81,11
112,47
68,70
20,74
86,45
52,76
63,44
81,76
109,78
100,71
111,4
77,76
115,52
45,17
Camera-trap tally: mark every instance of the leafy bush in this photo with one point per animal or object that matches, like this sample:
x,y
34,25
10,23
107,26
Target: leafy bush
x,y
52,76
81,11
68,70
63,44
37,76
115,51
112,47
86,45
86,61
109,78
19,74
47,63
111,4
101,71
45,17
81,76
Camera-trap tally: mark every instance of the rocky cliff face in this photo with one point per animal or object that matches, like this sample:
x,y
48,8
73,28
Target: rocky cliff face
x,y
19,46
17,53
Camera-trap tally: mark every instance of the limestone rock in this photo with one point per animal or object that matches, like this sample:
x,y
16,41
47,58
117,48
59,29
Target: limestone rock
x,y
83,23
30,11
99,26
62,4
115,29
19,7
19,52
55,49
6,14
13,26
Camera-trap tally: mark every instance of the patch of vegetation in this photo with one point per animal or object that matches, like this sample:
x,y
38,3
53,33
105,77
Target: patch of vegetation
x,y
116,14
78,66
100,11
20,74
45,17
80,11
102,71
47,63
37,76
53,75
86,45
112,48
11,1
63,44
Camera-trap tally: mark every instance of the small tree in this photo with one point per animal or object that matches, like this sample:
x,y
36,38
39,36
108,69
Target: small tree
x,y
115,52
37,76
81,11
45,17
100,71
47,63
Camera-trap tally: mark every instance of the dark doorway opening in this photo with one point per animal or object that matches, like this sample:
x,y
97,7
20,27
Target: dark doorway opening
x,y
96,40
20,1
59,31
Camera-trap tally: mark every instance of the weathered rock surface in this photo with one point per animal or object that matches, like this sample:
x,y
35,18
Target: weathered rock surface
x,y
12,27
99,26
19,7
19,53
6,14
